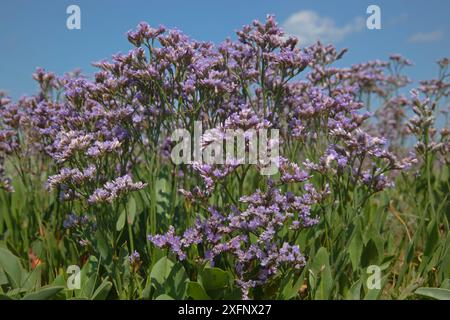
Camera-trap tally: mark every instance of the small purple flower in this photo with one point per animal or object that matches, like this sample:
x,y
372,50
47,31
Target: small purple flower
x,y
134,257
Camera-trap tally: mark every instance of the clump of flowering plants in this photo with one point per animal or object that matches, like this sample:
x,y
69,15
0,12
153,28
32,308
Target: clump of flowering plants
x,y
88,165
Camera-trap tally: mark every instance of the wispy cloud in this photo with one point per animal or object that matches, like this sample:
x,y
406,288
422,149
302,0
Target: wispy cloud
x,y
397,20
423,37
309,27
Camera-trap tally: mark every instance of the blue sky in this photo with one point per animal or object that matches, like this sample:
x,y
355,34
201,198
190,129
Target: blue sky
x,y
34,33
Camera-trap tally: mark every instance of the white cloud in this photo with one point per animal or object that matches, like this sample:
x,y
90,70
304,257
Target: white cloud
x,y
309,27
397,20
421,37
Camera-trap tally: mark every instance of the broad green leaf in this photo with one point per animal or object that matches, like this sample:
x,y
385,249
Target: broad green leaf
x,y
355,249
44,293
370,254
196,291
5,297
103,247
435,293
354,293
59,281
372,294
170,278
322,273
213,279
164,297
131,210
290,286
176,283
12,267
161,270
33,279
121,221
446,284
88,277
101,293
3,277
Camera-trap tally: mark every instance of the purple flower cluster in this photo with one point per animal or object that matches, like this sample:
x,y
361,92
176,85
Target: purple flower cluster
x,y
7,145
74,221
72,177
114,189
251,237
134,257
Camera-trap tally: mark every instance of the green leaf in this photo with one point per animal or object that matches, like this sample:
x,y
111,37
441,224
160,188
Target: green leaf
x,y
290,286
5,297
169,278
101,293
372,294
432,238
355,249
131,210
88,277
435,293
121,221
196,291
409,256
59,281
322,273
33,280
354,292
164,297
3,277
213,280
103,247
161,270
370,254
44,293
445,284
12,267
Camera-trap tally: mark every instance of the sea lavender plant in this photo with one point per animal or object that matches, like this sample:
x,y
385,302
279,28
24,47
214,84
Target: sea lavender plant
x,y
102,146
